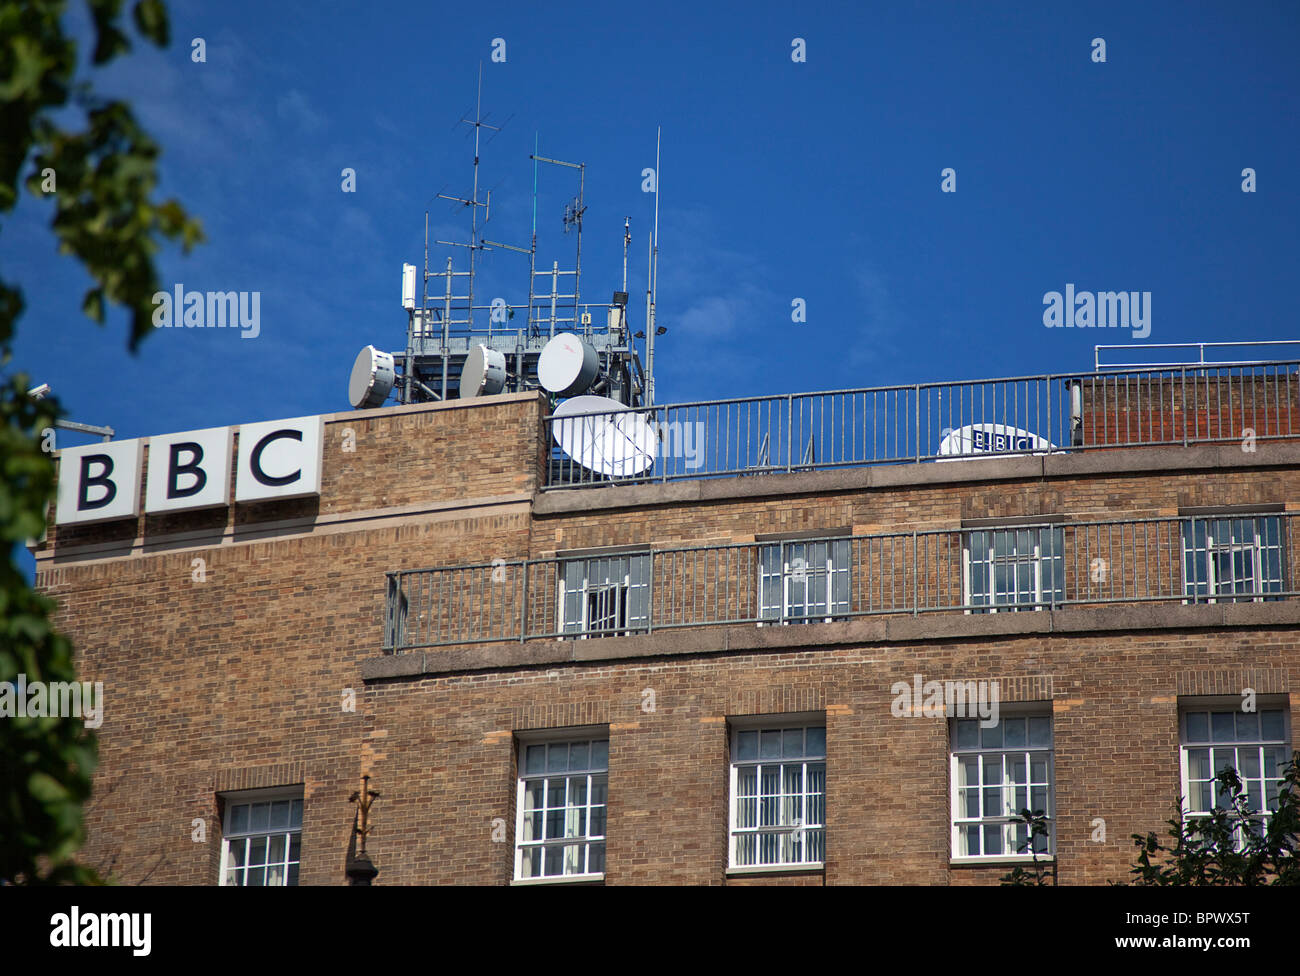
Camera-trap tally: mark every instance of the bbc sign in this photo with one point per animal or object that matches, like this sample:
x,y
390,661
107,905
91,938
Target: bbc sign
x,y
277,459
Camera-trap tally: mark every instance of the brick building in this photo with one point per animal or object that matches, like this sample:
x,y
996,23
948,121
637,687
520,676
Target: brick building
x,y
720,673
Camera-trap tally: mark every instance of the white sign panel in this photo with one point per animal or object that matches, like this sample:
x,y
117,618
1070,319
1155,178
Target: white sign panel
x,y
189,470
279,459
976,439
99,482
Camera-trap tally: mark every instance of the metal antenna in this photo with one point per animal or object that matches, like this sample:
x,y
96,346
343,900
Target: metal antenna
x,y
572,218
627,240
652,286
473,202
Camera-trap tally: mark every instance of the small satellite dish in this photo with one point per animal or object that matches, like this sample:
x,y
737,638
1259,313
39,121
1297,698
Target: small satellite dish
x,y
975,439
567,366
484,372
615,441
372,378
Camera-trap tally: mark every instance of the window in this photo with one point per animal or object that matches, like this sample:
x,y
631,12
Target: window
x,y
560,824
1255,744
804,582
1012,569
262,838
996,773
605,596
1232,559
778,790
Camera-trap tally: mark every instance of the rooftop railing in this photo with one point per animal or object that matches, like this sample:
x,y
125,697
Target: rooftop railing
x,y
1159,406
1027,567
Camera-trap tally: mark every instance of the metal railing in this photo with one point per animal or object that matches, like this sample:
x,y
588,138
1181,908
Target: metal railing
x,y
1180,405
969,570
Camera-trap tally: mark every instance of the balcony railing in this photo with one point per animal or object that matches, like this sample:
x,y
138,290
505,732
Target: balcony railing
x,y
1170,405
1229,558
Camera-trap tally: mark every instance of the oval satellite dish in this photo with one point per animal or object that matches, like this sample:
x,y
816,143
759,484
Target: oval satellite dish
x,y
975,439
372,378
567,366
615,441
484,372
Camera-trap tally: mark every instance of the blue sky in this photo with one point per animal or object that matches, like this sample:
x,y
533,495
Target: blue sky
x,y
779,180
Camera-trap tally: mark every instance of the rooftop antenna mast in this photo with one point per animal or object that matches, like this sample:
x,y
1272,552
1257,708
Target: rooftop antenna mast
x,y
473,202
573,213
652,286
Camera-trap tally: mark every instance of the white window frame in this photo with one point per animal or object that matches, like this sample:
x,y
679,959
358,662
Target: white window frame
x,y
802,834
987,566
1194,557
1257,744
825,575
593,775
246,837
621,588
1009,817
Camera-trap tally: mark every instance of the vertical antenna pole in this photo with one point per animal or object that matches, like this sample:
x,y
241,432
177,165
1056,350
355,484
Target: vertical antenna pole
x,y
473,219
446,317
653,285
577,275
532,248
627,240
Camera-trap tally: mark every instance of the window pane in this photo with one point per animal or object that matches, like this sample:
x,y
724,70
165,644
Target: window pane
x,y
1271,726
1198,763
747,745
256,877
600,754
258,815
1222,726
1040,730
257,850
967,733
295,847
770,745
1247,726
1014,732
557,757
275,851
1198,727
239,818
579,753
792,743
991,738
536,759
295,814
279,815
816,742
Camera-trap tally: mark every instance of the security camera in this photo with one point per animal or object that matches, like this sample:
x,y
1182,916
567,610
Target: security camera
x,y
38,392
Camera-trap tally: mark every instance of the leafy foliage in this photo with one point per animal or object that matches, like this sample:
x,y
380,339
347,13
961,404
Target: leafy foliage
x,y
1232,846
1038,874
105,216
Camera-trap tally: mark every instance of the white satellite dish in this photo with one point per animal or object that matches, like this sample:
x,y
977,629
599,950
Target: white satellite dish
x,y
372,378
567,366
976,439
484,372
615,442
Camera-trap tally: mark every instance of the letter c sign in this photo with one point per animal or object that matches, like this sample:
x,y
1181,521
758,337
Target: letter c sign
x,y
279,459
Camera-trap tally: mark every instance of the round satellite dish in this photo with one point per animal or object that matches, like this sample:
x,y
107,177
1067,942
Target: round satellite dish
x,y
976,439
567,366
484,372
372,378
612,440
